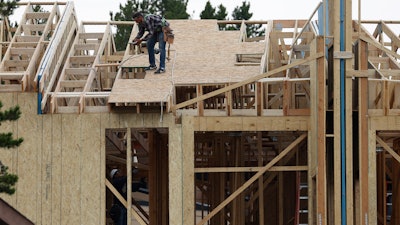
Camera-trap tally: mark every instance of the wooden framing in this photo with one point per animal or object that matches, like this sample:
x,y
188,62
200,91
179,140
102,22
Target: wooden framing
x,y
215,119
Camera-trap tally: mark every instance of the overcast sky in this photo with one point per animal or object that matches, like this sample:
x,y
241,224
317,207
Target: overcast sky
x,y
98,10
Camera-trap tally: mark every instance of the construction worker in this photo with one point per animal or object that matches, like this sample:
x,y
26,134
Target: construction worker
x,y
118,211
154,25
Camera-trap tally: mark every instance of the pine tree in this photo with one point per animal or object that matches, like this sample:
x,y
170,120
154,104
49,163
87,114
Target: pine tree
x,y
208,12
8,180
221,13
7,7
174,9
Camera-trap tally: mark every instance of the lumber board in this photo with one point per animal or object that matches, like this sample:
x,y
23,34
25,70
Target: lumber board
x,y
91,35
337,210
37,15
363,128
349,116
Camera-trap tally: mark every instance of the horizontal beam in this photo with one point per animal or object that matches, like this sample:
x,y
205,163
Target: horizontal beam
x,y
248,169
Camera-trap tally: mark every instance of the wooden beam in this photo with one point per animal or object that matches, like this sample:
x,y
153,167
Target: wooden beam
x,y
363,134
321,195
248,169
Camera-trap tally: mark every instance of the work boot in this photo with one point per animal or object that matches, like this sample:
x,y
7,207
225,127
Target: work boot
x,y
150,68
161,70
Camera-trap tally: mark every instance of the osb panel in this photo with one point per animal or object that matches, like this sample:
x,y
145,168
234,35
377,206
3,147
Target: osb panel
x,y
90,172
29,160
62,166
8,156
55,141
71,163
141,90
201,54
210,53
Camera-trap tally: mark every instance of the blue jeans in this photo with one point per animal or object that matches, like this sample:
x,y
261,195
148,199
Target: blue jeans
x,y
122,217
161,45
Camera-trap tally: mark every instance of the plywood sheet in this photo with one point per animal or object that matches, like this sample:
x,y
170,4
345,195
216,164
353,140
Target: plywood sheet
x,y
201,54
141,90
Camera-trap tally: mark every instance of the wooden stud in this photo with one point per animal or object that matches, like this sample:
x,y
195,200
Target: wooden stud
x,y
363,134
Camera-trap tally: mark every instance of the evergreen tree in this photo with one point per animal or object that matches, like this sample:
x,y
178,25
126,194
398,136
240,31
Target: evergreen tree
x,y
174,9
8,180
221,13
7,7
243,13
208,12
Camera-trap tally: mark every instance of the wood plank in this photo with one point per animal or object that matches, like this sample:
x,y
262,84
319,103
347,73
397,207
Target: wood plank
x,y
80,47
77,71
37,15
22,51
363,129
27,38
337,184
16,63
72,83
33,27
349,173
91,35
82,59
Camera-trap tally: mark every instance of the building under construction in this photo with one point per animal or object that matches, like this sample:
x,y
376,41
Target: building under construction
x,y
298,126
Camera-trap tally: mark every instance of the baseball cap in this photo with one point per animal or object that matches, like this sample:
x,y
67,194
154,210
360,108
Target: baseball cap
x,y
113,172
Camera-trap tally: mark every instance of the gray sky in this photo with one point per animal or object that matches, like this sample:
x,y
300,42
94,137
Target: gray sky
x,y
98,10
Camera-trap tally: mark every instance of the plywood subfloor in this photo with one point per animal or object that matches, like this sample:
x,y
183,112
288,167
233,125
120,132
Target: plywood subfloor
x,y
201,54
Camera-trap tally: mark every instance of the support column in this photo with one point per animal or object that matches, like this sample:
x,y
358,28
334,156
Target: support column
x,y
363,133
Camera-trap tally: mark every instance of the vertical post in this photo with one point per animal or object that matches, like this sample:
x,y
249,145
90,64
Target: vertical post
x,y
259,98
348,172
260,180
287,95
363,131
321,137
337,100
200,104
129,176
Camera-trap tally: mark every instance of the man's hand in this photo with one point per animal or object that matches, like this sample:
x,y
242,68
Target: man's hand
x,y
137,41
